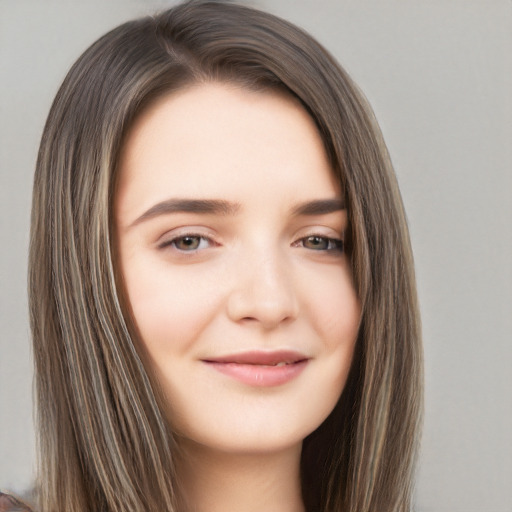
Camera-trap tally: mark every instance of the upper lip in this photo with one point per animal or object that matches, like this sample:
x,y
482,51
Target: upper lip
x,y
260,357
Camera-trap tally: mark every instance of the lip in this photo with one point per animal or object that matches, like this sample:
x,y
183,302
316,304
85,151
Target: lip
x,y
259,368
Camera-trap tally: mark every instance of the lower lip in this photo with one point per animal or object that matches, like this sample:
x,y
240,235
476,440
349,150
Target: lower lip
x,y
260,375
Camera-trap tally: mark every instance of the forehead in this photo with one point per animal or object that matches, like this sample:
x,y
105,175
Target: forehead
x,y
225,141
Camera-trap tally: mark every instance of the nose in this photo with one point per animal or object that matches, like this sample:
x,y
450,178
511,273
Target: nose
x,y
263,292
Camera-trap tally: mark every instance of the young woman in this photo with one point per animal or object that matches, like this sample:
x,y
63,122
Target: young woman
x,y
222,292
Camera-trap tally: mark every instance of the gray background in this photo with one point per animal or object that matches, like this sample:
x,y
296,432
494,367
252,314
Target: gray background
x,y
439,76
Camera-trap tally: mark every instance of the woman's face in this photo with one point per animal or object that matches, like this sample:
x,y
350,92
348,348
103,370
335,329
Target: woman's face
x,y
230,231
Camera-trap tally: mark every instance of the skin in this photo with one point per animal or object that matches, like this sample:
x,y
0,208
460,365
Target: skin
x,y
256,276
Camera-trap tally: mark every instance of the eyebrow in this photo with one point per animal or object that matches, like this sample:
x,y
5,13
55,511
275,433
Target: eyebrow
x,y
221,207
319,207
204,206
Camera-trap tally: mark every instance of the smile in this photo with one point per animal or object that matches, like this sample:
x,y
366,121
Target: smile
x,y
263,369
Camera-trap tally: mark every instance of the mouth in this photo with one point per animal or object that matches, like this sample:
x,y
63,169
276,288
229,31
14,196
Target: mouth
x,y
262,369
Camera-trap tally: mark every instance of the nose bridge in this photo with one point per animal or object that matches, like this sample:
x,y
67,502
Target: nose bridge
x,y
263,289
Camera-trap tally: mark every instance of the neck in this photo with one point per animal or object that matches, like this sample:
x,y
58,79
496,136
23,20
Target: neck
x,y
224,482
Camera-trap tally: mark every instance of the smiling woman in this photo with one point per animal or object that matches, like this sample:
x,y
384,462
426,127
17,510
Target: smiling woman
x,y
253,278
222,294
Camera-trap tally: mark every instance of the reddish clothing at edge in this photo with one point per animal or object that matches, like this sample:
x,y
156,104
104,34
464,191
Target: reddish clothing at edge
x,y
10,504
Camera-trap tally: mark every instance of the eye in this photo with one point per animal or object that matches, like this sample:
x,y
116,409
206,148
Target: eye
x,y
188,243
321,243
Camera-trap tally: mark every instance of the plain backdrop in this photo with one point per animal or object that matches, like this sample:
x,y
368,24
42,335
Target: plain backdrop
x,y
438,74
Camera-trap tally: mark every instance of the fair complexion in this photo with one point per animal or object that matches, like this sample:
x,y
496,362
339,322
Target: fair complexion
x,y
230,228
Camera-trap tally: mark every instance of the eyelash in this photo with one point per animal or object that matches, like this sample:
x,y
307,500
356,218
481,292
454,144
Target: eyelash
x,y
333,244
173,242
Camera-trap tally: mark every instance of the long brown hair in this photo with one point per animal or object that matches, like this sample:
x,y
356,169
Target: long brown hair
x,y
103,442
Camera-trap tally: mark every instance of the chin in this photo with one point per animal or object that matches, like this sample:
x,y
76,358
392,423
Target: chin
x,y
257,429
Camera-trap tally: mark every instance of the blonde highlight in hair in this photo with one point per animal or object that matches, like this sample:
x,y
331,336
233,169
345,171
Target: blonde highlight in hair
x,y
104,442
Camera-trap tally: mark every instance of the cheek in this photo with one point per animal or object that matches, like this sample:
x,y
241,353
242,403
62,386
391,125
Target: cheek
x,y
169,307
334,312
333,308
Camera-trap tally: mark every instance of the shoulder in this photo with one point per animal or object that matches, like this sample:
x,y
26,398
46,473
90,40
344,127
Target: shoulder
x,y
10,504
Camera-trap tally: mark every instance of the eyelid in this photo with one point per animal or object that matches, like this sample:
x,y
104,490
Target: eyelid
x,y
173,235
173,243
332,236
336,244
323,230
